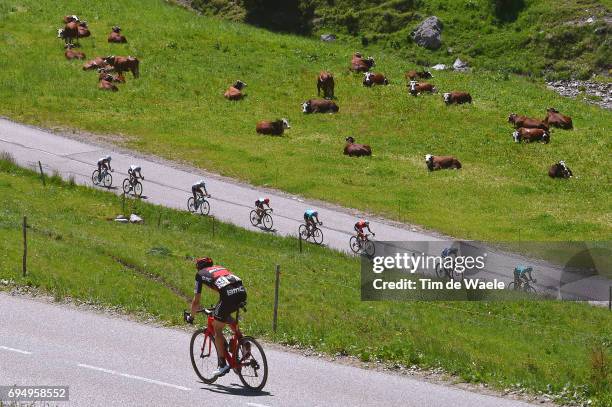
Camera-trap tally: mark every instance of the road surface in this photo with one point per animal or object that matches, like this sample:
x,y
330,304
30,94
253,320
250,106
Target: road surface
x,y
167,184
113,361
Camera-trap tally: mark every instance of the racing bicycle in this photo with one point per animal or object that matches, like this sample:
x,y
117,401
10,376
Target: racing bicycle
x,y
313,233
449,273
105,178
243,354
201,204
362,244
132,184
523,285
265,219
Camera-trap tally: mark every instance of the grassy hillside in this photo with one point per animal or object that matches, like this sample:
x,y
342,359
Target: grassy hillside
x,y
74,250
176,110
524,36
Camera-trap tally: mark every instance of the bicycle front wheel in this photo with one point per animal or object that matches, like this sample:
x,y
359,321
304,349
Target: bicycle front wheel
x,y
203,355
369,248
107,180
317,236
530,289
253,364
254,217
204,207
138,189
94,177
126,186
354,244
267,221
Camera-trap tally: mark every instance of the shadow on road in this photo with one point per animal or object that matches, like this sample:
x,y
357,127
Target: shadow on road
x,y
234,389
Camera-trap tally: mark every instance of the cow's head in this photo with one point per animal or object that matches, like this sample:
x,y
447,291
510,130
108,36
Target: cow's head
x,y
350,140
512,117
83,23
370,62
367,78
413,86
306,107
239,85
117,29
285,123
109,59
516,137
74,18
447,97
429,161
426,74
357,55
60,32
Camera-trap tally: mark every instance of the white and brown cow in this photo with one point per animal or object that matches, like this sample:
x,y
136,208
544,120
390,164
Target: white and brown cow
x,y
319,106
417,88
524,121
530,135
234,92
560,170
275,128
371,79
441,162
360,64
457,98
353,149
555,119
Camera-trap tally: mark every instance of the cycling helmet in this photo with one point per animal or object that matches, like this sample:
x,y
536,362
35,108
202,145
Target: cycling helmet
x,y
267,200
108,158
203,262
315,213
366,222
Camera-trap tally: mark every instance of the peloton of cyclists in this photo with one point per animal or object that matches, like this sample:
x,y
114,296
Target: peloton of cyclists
x,y
199,189
259,206
104,163
360,225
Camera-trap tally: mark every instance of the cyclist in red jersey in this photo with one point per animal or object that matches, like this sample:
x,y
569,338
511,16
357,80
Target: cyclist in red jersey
x,y
363,223
231,295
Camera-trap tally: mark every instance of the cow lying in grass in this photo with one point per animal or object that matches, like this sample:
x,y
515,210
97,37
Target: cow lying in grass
x,y
117,78
416,88
234,92
414,75
371,78
560,170
319,106
457,98
325,81
73,54
356,150
116,37
531,135
124,64
96,63
441,162
83,30
359,64
106,83
275,128
555,119
528,122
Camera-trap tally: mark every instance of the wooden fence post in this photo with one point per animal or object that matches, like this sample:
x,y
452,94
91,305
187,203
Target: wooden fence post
x,y
24,266
300,239
213,226
276,286
610,299
158,220
42,174
123,204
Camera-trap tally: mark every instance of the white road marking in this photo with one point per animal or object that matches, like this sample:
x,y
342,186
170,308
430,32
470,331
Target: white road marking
x,y
130,376
25,352
256,405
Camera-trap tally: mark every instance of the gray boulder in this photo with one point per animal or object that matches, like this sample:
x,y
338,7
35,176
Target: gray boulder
x,y
328,37
461,66
135,219
428,33
438,67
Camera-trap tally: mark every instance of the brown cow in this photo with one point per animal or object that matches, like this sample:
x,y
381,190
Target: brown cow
x,y
441,162
524,121
413,75
73,54
319,106
325,81
106,83
531,135
275,128
96,63
359,64
234,92
371,78
555,119
69,32
457,97
560,170
124,64
356,150
70,18
83,30
118,77
115,36
418,88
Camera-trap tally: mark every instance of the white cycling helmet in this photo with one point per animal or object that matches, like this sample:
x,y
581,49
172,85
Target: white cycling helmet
x,y
108,158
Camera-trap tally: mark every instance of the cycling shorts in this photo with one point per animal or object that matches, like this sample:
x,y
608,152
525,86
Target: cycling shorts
x,y
231,297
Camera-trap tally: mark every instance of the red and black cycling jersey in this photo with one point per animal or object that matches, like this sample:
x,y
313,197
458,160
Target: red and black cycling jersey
x,y
215,277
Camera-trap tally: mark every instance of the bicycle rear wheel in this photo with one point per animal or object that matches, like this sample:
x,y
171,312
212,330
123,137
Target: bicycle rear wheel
x,y
317,236
440,271
107,180
303,232
369,248
267,221
204,207
126,186
94,177
191,205
511,286
254,218
354,244
203,355
253,371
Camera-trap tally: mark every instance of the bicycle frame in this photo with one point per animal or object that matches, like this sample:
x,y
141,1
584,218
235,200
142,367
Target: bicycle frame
x,y
231,353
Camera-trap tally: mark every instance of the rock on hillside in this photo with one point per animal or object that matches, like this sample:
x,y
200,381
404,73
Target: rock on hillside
x,y
428,33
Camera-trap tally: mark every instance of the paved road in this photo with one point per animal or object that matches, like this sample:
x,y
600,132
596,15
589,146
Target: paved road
x,y
111,361
167,184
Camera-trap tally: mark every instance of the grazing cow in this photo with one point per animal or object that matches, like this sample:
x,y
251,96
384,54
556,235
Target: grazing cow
x,y
116,37
234,92
319,106
69,32
371,78
124,64
531,135
96,63
560,170
524,121
418,88
325,81
73,54
71,18
275,128
106,83
83,30
555,119
104,74
442,162
356,150
359,64
413,75
457,97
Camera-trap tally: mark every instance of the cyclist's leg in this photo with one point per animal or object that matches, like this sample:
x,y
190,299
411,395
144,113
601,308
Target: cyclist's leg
x,y
218,325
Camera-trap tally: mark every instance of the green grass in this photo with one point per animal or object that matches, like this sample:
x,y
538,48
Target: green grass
x,y
76,251
176,110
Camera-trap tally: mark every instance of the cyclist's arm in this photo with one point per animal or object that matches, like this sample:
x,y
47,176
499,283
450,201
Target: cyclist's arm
x,y
195,304
370,230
